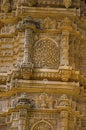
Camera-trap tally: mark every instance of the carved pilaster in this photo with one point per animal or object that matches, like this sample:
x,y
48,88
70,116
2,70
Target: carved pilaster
x,y
27,62
28,25
63,122
28,46
22,119
64,104
64,49
14,119
65,67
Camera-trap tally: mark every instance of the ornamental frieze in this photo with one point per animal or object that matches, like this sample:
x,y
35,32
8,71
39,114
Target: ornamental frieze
x,y
42,126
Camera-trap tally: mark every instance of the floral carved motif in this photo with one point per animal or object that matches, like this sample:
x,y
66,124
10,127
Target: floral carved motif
x,y
42,126
48,23
46,54
45,101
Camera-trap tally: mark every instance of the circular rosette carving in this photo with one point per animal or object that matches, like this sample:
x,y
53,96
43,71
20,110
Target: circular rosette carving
x,y
42,126
46,54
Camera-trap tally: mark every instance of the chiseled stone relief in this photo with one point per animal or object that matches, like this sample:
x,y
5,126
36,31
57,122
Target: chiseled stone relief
x,y
49,23
42,65
42,126
46,53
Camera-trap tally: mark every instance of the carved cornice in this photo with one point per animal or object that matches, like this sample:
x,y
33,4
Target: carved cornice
x,y
49,74
42,12
11,35
9,18
40,86
64,108
48,111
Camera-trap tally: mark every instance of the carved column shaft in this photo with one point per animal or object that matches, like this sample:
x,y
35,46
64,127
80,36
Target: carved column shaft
x,y
28,46
63,123
23,120
14,119
64,49
22,124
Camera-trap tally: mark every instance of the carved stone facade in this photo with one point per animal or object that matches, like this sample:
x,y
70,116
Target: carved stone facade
x,y
42,65
46,53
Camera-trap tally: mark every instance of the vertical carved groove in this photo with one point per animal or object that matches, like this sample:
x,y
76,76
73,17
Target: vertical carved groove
x,y
28,46
64,49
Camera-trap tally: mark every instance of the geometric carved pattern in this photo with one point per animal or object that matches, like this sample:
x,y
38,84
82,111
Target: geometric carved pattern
x,y
49,23
42,126
44,101
46,54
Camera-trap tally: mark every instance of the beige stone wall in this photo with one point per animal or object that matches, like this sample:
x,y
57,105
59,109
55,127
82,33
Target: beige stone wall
x,y
42,65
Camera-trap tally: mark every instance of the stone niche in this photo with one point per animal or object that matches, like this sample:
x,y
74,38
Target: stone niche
x,y
41,121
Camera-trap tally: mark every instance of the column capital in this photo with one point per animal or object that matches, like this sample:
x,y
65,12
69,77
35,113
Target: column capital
x,y
66,24
28,23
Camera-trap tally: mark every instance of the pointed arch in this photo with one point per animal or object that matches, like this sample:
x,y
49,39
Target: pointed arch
x,y
47,38
49,23
41,124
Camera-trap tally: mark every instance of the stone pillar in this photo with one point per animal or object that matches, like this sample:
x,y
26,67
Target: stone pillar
x,y
14,120
63,122
28,25
23,120
63,106
64,49
78,122
65,68
28,46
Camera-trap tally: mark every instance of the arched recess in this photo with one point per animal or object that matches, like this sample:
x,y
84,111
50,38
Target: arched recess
x,y
46,53
42,125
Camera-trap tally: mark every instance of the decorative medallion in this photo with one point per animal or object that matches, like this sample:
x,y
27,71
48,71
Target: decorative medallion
x,y
46,54
42,126
67,3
